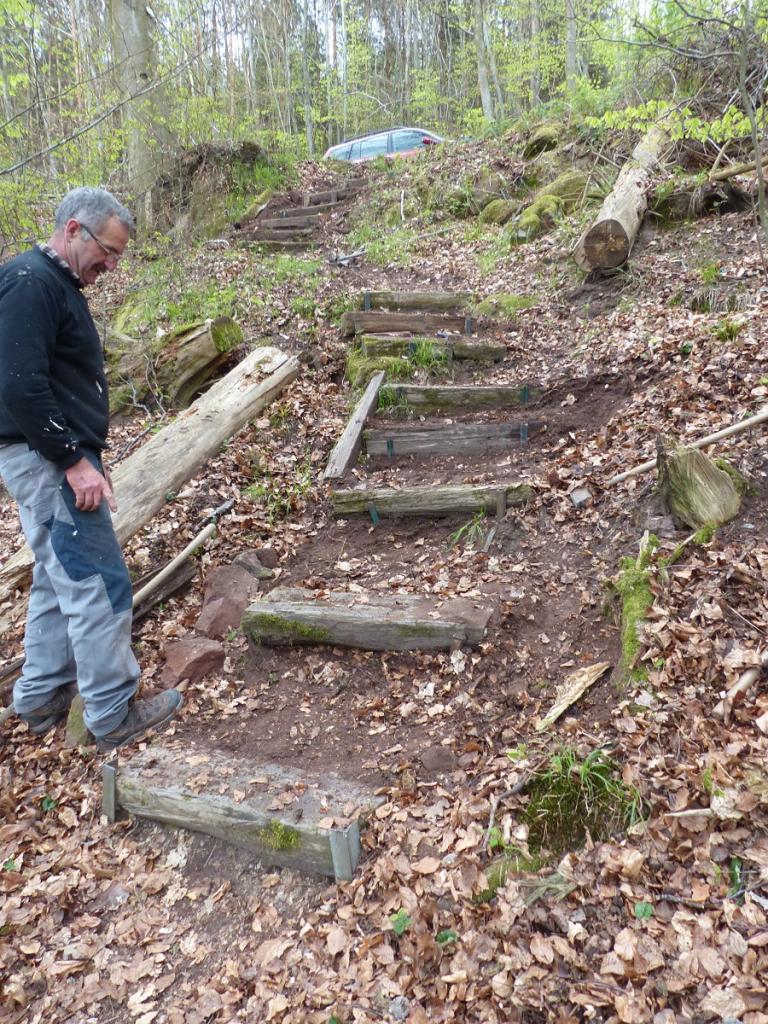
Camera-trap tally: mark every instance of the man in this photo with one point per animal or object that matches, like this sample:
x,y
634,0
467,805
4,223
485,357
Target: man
x,y
54,415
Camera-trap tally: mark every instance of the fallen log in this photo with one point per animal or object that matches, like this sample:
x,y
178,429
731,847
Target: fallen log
x,y
173,455
736,169
430,500
608,241
697,200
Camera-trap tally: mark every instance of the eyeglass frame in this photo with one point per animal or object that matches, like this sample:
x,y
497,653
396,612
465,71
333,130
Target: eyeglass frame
x,y
106,249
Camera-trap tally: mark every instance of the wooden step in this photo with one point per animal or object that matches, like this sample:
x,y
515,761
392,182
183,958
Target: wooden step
x,y
279,234
280,246
444,500
291,212
370,621
454,347
286,223
477,438
448,398
334,195
316,829
346,448
430,302
361,322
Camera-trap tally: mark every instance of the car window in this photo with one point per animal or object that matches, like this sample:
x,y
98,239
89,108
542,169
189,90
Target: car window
x,y
341,152
354,153
405,140
376,145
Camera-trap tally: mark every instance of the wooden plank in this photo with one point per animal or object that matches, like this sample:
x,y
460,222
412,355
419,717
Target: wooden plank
x,y
430,500
348,445
370,621
210,791
450,398
417,323
432,302
455,347
303,211
279,234
333,195
447,439
287,223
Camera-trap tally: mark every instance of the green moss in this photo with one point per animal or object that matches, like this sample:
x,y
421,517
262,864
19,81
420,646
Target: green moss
x,y
226,334
279,836
544,137
634,590
503,305
255,205
270,624
120,398
360,368
498,211
744,488
538,217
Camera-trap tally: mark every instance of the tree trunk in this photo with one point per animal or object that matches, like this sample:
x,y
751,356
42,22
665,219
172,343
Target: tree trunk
x,y
173,455
571,53
608,241
308,127
482,63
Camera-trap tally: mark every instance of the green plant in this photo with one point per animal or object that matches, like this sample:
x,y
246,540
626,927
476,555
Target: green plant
x,y
304,306
48,803
709,273
428,355
643,911
392,402
472,532
11,864
280,497
573,796
727,329
400,922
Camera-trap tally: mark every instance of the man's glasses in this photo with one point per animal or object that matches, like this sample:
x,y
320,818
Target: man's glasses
x,y
106,249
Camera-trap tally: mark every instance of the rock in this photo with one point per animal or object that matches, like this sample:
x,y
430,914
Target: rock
x,y
250,561
695,489
192,658
77,733
581,496
546,136
438,759
558,197
498,211
399,1008
268,557
228,592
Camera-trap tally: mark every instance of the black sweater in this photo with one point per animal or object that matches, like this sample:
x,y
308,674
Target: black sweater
x,y
53,390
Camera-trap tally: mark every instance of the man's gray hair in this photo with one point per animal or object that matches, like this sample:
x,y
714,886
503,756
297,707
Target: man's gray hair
x,y
93,207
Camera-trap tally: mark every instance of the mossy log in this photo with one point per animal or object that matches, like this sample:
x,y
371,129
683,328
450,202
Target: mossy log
x,y
544,137
608,241
300,220
449,398
373,322
289,233
191,356
431,500
456,347
172,456
334,195
446,440
695,490
219,794
499,211
424,302
371,621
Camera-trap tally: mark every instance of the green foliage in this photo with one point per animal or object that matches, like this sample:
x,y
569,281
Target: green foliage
x,y
710,273
727,329
279,496
446,937
400,922
48,804
393,247
504,305
11,864
643,911
573,796
471,533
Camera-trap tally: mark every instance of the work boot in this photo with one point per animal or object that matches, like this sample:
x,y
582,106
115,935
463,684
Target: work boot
x,y
142,716
42,719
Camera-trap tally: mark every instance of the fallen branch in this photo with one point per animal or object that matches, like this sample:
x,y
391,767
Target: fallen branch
x,y
745,681
737,428
153,584
734,169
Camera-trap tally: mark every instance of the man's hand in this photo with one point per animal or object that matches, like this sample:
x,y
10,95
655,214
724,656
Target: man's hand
x,y
89,487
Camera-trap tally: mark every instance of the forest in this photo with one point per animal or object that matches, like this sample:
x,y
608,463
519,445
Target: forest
x,y
441,484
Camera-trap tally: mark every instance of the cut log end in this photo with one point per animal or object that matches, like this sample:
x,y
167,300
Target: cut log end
x,y
606,245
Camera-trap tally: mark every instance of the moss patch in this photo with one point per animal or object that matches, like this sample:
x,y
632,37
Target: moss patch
x,y
268,624
550,203
498,211
544,137
279,836
504,305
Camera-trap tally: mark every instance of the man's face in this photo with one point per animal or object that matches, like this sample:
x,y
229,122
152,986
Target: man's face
x,y
92,253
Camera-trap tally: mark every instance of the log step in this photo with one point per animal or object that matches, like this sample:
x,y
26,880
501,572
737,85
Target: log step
x,y
369,621
446,440
316,828
346,448
334,195
450,398
279,234
356,322
287,223
455,347
431,500
303,211
424,302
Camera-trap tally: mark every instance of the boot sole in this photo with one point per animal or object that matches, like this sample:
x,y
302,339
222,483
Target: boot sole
x,y
105,746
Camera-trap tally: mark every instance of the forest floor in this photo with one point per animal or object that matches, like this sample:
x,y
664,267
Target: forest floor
x,y
667,922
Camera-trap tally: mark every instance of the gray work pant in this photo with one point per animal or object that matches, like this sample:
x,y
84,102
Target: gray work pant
x,y
79,617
